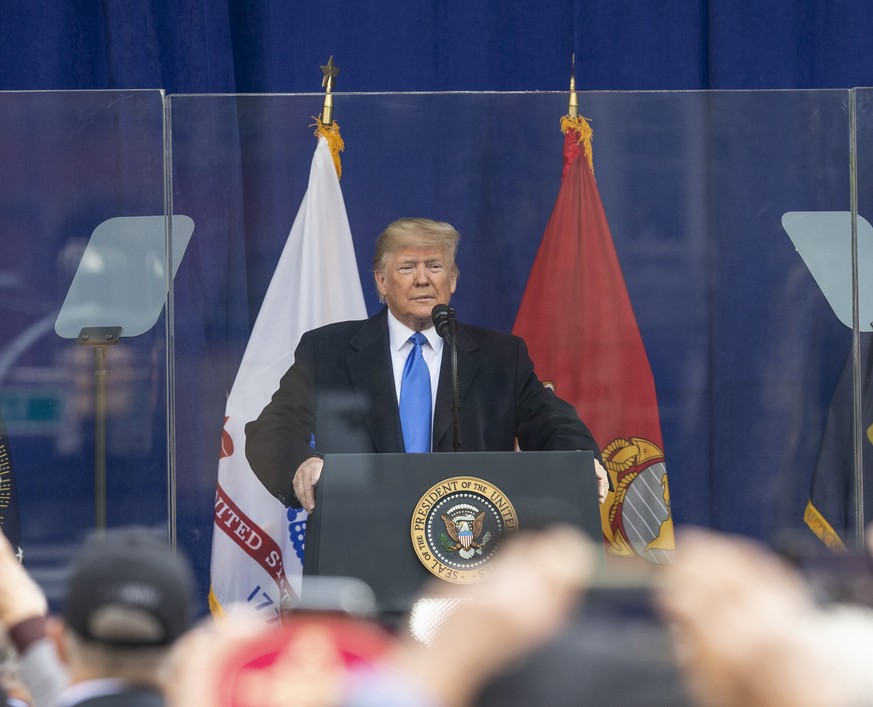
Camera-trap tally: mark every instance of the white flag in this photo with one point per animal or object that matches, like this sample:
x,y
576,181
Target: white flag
x,y
257,543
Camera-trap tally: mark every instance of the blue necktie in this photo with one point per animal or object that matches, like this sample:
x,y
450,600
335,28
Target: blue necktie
x,y
415,398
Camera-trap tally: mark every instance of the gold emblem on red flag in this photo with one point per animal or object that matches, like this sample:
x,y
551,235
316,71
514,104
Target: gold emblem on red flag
x,y
636,517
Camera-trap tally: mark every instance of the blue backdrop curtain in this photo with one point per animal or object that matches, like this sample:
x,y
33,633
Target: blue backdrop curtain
x,y
244,46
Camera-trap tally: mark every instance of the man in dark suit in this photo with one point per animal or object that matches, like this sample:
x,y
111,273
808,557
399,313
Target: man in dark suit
x,y
345,391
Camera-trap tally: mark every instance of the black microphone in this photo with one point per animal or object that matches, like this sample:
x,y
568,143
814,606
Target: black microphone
x,y
442,314
445,325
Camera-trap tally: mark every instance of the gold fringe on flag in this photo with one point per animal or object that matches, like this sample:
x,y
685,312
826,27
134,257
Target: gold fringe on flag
x,y
331,133
215,607
585,133
819,525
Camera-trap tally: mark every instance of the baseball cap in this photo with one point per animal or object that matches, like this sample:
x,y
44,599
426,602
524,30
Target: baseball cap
x,y
310,657
127,587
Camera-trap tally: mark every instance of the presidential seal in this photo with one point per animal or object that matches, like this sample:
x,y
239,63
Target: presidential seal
x,y
457,526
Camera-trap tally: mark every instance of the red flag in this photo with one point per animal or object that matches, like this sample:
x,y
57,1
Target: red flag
x,y
577,320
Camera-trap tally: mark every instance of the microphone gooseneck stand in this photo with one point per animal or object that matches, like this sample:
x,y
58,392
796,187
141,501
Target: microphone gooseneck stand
x,y
446,326
456,395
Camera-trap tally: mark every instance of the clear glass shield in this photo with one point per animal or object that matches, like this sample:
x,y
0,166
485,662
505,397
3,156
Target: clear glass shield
x,y
743,347
71,161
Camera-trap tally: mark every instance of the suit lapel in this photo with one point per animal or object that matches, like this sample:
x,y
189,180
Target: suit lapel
x,y
373,381
468,364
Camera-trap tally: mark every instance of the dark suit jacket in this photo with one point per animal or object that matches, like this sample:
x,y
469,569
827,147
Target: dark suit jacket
x,y
340,391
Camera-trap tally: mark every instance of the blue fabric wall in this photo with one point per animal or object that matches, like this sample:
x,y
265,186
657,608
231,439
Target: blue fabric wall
x,y
192,46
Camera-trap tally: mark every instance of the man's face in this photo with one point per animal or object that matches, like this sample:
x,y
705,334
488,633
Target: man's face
x,y
413,282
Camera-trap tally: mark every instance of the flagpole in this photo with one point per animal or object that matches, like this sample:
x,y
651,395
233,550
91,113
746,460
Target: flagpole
x,y
325,126
330,71
857,414
573,108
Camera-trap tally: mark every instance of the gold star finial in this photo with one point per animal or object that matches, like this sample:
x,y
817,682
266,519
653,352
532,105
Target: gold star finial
x,y
330,71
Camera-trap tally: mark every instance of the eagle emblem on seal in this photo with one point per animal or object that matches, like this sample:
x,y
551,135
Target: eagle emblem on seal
x,y
464,525
457,527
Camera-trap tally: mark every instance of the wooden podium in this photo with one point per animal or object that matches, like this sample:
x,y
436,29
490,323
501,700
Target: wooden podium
x,y
395,521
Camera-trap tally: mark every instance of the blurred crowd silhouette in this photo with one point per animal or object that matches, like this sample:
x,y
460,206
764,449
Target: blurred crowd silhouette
x,y
730,622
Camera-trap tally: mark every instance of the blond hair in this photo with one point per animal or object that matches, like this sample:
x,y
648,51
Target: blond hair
x,y
416,233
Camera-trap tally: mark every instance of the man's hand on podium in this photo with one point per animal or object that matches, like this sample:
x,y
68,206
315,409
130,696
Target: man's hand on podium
x,y
305,479
602,481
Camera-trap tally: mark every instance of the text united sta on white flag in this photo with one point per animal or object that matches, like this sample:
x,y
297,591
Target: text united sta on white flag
x,y
257,543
